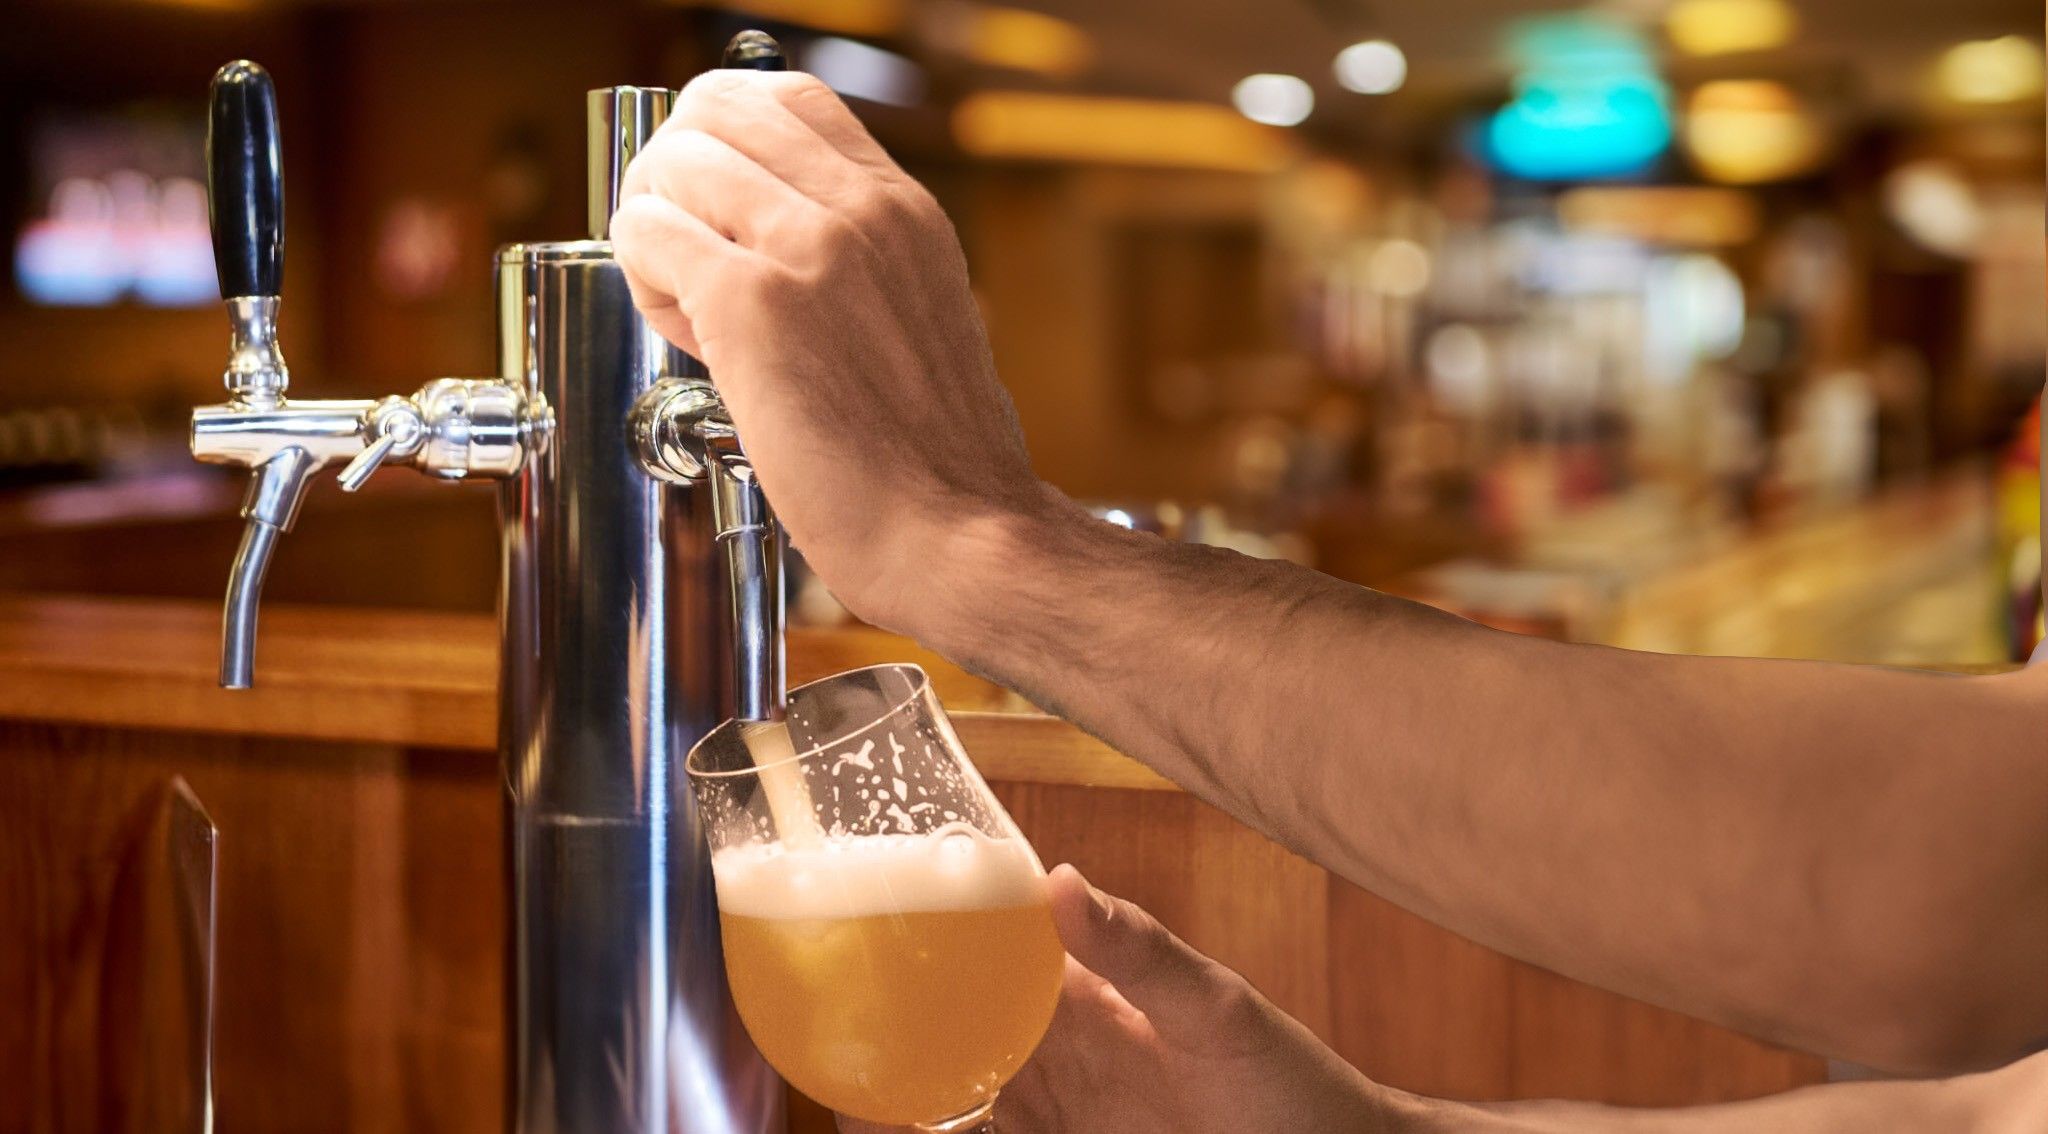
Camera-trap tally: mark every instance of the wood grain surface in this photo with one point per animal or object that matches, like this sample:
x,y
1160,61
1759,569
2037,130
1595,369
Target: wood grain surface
x,y
421,679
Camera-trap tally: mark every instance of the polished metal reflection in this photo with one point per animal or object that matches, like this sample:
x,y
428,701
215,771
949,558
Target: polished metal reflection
x,y
681,432
256,372
193,854
246,434
617,656
270,507
752,543
245,594
621,121
451,428
611,638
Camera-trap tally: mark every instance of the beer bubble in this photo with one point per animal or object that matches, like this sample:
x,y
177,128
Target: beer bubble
x,y
956,867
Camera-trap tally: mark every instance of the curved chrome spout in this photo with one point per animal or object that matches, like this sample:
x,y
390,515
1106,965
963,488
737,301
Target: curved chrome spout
x,y
275,493
746,529
245,591
682,434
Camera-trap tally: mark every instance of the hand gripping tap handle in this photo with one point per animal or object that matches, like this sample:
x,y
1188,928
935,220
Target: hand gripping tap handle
x,y
746,525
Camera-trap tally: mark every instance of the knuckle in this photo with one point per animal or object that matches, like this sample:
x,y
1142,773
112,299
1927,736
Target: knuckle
x,y
796,88
869,206
767,285
662,153
1148,939
716,87
694,149
1239,1008
839,232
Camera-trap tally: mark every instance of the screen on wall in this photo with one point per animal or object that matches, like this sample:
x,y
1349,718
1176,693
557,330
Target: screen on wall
x,y
115,211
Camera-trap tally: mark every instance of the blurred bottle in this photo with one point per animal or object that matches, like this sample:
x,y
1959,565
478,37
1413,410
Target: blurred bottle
x,y
2019,535
1828,455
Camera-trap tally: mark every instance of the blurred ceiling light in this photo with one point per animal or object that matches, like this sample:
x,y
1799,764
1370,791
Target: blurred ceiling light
x,y
1685,216
847,17
1398,268
1054,127
1372,67
1275,100
1588,101
861,71
1020,40
1990,71
1713,304
1748,131
1589,46
1932,203
1577,134
1724,27
1460,367
1692,309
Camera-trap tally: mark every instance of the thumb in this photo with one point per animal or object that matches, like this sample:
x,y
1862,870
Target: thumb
x,y
1156,972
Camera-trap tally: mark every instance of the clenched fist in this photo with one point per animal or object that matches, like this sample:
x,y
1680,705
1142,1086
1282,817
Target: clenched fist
x,y
765,232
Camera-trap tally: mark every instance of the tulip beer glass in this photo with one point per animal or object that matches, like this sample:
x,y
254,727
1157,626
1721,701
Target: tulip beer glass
x,y
887,934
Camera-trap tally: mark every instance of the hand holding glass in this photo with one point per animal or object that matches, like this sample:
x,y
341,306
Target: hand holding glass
x,y
887,934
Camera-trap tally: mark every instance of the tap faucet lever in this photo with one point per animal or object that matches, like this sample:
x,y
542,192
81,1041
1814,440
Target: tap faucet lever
x,y
245,203
682,434
451,428
753,50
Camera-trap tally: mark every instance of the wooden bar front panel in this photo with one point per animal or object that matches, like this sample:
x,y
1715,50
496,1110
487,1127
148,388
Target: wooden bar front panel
x,y
361,951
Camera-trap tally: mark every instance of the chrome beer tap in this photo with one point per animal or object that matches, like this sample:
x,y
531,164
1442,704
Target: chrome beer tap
x,y
452,428
683,434
640,604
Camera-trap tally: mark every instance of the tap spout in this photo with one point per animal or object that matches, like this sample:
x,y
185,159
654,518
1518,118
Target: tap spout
x,y
275,492
245,591
683,435
747,532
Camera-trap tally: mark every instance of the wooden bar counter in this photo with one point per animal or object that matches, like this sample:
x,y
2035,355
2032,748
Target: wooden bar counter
x,y
361,948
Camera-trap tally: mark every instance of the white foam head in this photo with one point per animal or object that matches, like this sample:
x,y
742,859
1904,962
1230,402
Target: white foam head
x,y
953,868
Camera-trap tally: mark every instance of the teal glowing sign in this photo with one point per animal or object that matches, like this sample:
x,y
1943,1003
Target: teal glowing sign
x,y
1588,103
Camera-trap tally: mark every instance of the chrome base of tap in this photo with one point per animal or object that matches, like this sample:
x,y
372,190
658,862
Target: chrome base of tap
x,y
613,637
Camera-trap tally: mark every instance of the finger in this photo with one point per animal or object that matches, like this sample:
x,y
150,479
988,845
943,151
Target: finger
x,y
750,119
1148,967
1096,1000
778,119
725,189
666,253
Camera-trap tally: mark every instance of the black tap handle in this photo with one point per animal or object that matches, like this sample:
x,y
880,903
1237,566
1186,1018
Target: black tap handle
x,y
754,51
244,182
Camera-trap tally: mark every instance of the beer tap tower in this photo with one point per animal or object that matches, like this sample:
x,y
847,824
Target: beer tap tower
x,y
631,518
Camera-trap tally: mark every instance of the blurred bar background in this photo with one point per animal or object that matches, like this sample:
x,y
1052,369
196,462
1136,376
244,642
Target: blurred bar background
x,y
1692,325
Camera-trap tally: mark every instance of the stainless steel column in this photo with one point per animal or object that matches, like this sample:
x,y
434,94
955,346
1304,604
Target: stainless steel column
x,y
614,665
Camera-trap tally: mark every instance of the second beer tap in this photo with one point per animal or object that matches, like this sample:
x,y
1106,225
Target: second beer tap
x,y
451,428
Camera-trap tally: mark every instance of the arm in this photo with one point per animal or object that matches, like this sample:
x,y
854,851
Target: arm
x,y
1153,1036
2008,1101
1848,860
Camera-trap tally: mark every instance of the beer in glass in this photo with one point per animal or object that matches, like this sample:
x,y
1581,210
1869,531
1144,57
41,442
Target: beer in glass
x,y
886,929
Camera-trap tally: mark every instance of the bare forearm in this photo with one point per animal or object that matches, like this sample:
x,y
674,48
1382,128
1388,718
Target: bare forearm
x,y
2011,1100
1801,851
